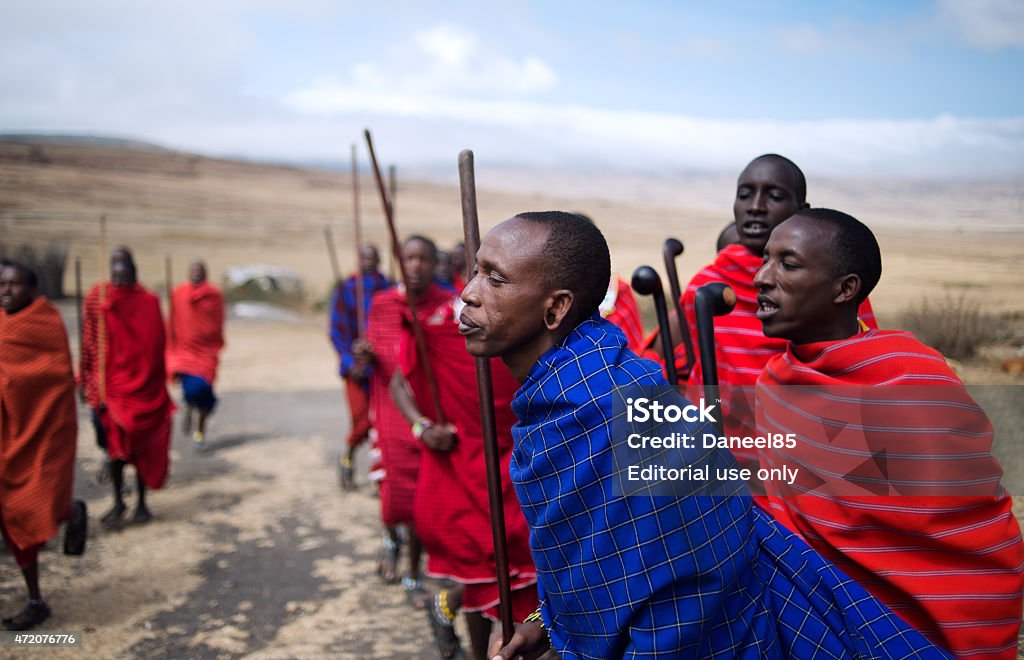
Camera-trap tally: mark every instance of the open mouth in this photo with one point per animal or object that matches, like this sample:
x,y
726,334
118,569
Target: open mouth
x,y
766,307
755,228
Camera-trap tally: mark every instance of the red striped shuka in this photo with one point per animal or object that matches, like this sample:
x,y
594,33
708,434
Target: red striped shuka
x,y
619,306
741,348
133,405
897,484
400,451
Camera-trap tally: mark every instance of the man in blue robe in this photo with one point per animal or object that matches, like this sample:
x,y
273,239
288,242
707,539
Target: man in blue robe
x,y
626,572
354,365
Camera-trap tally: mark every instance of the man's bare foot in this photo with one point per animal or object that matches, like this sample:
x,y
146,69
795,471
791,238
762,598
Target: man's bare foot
x,y
141,516
390,551
114,516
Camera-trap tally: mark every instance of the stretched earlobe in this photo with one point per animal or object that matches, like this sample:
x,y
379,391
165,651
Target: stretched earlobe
x,y
558,308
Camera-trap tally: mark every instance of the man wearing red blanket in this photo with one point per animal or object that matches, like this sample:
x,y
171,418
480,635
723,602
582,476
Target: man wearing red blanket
x,y
769,190
452,514
916,513
38,430
122,370
376,358
195,337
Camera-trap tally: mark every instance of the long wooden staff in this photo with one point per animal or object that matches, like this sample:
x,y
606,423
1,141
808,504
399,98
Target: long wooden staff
x,y
396,252
332,255
170,298
647,282
78,299
357,230
714,299
101,321
671,249
485,390
393,193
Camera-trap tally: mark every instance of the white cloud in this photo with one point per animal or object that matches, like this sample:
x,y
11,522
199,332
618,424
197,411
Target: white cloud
x,y
988,24
447,44
940,146
178,73
447,58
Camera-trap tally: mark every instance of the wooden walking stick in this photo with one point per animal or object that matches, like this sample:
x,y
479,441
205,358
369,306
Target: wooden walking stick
x,y
647,282
396,251
170,298
101,321
714,299
78,299
358,239
485,390
671,249
332,255
392,194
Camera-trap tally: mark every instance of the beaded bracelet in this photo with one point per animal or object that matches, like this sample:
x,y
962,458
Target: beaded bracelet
x,y
536,616
419,426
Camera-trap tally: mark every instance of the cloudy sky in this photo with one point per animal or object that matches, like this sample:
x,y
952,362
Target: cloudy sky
x,y
915,88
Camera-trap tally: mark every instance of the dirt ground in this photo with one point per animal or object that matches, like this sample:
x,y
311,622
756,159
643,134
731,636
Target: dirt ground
x,y
254,551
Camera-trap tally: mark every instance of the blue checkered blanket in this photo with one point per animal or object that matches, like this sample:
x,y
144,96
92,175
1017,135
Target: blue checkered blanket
x,y
649,576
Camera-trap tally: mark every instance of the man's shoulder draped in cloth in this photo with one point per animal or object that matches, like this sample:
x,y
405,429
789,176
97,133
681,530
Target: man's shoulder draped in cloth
x,y
645,576
741,348
38,428
136,410
400,451
452,512
195,334
948,558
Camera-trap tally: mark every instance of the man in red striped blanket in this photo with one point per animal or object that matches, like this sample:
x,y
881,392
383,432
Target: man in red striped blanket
x,y
896,482
452,516
769,190
377,358
38,430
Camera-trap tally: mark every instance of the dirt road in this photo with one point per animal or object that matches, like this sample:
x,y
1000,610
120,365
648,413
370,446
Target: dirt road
x,y
253,550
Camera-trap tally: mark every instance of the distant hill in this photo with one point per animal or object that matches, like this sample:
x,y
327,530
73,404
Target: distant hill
x,y
87,152
90,140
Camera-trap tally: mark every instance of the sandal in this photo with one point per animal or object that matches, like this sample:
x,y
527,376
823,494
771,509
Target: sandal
x,y
346,474
415,593
113,517
103,474
35,612
387,568
442,623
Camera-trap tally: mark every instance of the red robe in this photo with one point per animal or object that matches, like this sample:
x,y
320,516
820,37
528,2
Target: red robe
x,y
400,452
741,348
136,410
195,331
38,427
452,511
949,558
622,310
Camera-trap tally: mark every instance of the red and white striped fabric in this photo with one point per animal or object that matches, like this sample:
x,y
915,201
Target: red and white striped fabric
x,y
952,566
741,348
400,451
625,313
